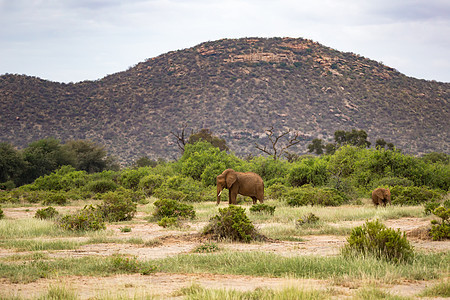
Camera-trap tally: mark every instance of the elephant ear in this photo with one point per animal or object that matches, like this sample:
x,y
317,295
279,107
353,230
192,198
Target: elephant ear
x,y
231,179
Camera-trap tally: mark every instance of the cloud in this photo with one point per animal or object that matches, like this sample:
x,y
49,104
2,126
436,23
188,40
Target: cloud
x,y
73,40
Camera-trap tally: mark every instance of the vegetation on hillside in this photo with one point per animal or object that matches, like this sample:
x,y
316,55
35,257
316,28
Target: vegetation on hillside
x,y
237,88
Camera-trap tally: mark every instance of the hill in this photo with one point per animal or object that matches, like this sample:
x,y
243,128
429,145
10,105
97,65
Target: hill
x,y
237,88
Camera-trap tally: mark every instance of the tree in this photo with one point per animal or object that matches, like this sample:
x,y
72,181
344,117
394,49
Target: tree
x,y
203,134
355,138
144,161
43,157
11,163
316,146
278,149
181,138
88,156
207,135
382,144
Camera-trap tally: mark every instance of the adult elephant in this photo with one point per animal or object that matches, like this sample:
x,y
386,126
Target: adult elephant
x,y
247,184
381,196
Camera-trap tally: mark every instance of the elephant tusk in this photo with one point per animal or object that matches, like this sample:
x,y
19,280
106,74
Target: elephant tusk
x,y
219,194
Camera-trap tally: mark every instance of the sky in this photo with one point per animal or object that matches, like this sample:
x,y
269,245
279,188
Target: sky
x,y
77,40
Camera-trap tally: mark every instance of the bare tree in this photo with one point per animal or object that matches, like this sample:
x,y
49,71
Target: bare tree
x,y
278,149
181,138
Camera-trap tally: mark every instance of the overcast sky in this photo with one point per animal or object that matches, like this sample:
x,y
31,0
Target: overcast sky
x,y
76,40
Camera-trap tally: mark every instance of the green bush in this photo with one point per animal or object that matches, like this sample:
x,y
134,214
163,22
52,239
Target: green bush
x,y
208,247
375,239
413,195
130,178
7,185
2,215
441,230
101,186
315,196
262,209
232,223
117,207
46,213
308,171
150,183
65,178
276,191
58,198
392,181
87,219
172,208
169,222
309,218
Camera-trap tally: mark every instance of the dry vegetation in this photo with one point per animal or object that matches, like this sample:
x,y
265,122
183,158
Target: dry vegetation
x,y
148,261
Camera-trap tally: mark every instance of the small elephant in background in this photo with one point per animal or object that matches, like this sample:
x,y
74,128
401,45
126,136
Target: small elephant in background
x,y
247,184
381,196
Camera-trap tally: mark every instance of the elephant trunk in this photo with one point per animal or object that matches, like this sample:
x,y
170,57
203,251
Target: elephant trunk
x,y
219,192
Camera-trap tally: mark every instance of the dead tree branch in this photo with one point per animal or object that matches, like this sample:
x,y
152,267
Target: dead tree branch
x,y
277,149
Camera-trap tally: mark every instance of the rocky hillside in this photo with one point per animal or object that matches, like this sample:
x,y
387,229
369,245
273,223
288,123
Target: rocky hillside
x,y
237,88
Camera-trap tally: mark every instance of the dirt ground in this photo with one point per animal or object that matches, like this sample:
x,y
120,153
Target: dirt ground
x,y
174,242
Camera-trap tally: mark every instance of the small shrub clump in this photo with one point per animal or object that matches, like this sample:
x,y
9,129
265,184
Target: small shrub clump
x,y
87,219
173,208
58,198
374,238
441,230
309,218
232,223
208,247
262,209
101,186
117,207
46,213
315,196
169,222
2,215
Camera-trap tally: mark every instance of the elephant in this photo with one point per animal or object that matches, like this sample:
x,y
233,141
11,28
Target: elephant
x,y
247,184
381,196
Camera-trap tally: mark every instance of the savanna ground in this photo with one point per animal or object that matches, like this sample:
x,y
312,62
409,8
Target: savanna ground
x,y
141,260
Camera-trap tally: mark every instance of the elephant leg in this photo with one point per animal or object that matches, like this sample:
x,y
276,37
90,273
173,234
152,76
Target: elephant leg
x,y
230,197
254,199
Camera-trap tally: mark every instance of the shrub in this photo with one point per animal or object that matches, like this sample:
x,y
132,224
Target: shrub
x,y
315,196
117,207
8,185
46,213
168,193
276,191
150,183
130,178
58,198
169,222
309,218
65,178
172,208
101,186
87,219
2,215
208,247
125,229
373,238
441,230
308,171
262,209
232,223
413,195
392,181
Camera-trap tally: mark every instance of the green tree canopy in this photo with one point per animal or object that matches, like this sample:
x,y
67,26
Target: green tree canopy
x,y
207,135
88,156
